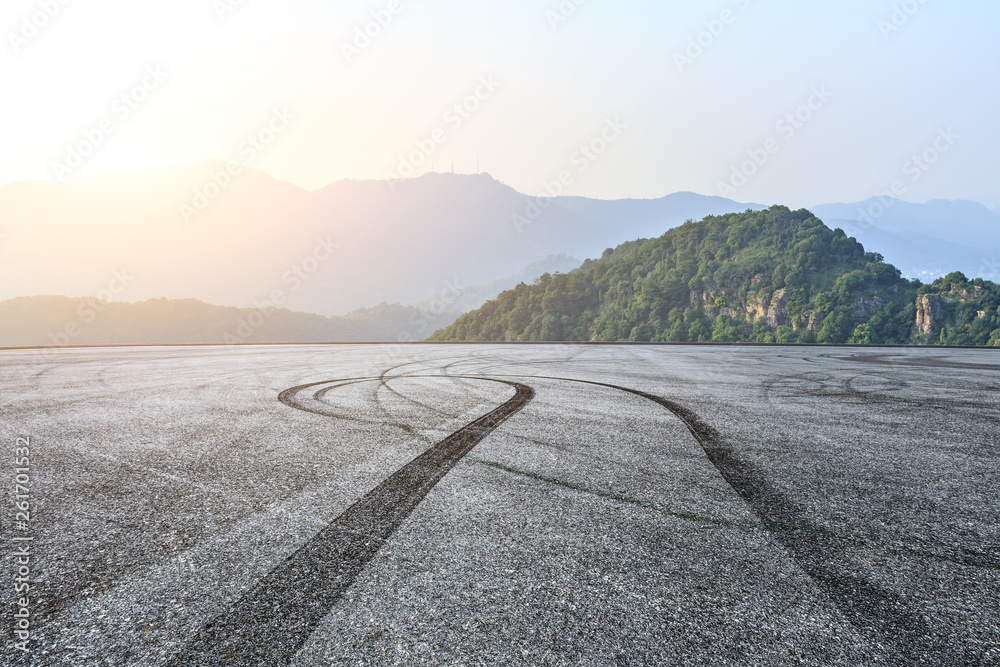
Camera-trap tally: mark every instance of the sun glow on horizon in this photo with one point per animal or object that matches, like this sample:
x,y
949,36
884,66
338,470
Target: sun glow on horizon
x,y
367,84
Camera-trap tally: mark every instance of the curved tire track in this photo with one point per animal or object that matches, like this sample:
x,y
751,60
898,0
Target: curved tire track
x,y
878,612
269,624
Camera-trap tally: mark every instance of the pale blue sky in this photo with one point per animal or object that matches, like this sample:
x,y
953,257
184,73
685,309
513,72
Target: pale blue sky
x,y
890,94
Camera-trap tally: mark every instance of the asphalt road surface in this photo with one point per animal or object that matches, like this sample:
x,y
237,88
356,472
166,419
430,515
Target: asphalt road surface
x,y
451,504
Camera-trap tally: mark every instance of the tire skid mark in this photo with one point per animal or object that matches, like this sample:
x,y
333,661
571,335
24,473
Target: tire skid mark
x,y
413,401
316,404
290,398
384,380
824,558
620,498
264,628
926,362
269,624
815,384
377,402
319,406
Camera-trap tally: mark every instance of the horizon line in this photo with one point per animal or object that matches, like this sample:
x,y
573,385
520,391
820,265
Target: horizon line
x,y
133,174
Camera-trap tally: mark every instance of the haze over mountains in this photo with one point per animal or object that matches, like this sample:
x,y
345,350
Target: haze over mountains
x,y
198,232
925,241
59,320
352,244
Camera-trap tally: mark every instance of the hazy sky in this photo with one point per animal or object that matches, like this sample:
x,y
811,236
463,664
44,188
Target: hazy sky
x,y
886,79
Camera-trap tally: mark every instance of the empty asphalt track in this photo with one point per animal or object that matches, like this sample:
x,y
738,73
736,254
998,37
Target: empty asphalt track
x,y
314,505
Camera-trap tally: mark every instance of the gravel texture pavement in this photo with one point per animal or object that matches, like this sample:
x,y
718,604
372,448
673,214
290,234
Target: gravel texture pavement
x,y
490,504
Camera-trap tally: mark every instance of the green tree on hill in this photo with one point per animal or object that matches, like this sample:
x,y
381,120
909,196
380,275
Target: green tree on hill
x,y
772,276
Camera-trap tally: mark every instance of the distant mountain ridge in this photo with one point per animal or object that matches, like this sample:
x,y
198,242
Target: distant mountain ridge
x,y
357,243
463,299
48,321
253,234
924,240
58,320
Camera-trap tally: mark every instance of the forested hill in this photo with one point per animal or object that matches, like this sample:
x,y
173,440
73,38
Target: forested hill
x,y
762,276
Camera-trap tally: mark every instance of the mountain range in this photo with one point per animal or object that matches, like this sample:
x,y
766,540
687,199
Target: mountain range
x,y
441,243
925,241
42,321
200,232
39,321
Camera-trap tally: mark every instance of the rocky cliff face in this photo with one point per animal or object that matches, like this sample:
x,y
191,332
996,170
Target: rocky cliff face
x,y
928,308
957,303
864,308
932,310
773,309
777,312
